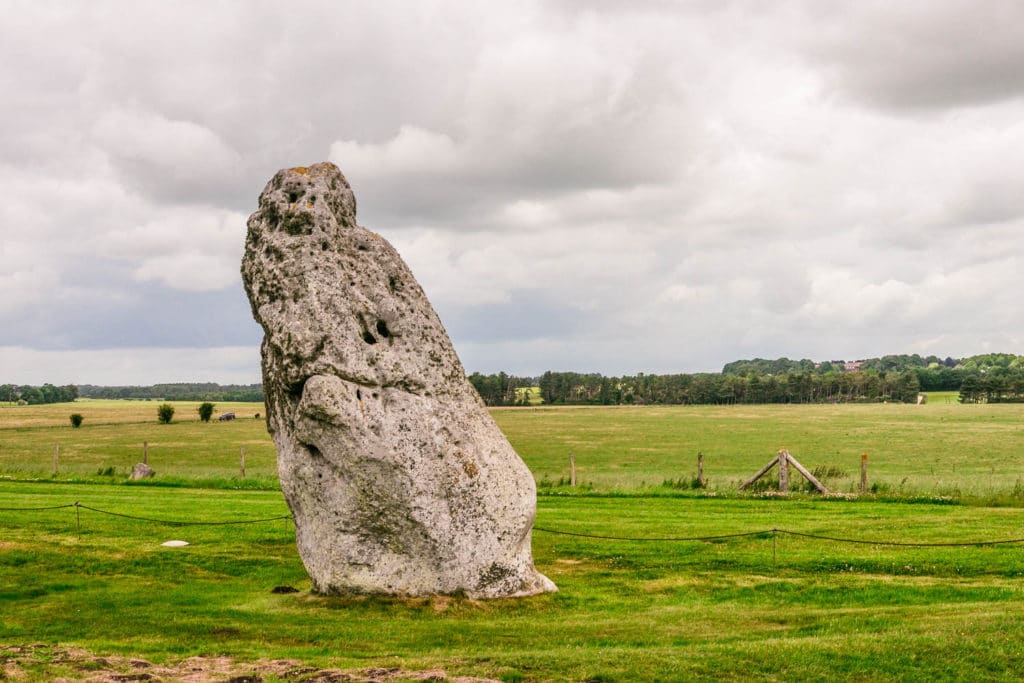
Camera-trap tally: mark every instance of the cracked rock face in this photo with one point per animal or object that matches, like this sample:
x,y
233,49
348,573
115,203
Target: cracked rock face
x,y
399,480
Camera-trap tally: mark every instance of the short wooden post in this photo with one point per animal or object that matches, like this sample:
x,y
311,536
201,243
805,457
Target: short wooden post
x,y
572,470
56,456
863,472
145,452
242,464
783,472
700,469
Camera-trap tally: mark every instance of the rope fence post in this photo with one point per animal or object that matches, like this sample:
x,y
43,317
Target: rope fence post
x,y
775,562
700,469
56,456
242,462
78,518
863,473
572,470
145,452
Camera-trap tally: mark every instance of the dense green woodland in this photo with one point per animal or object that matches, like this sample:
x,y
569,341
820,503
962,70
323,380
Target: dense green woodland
x,y
989,378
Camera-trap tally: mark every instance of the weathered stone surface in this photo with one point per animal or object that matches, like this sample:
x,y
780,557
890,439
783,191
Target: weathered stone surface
x,y
399,480
141,471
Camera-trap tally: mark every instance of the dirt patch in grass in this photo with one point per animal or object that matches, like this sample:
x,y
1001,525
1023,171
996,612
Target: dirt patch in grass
x,y
45,662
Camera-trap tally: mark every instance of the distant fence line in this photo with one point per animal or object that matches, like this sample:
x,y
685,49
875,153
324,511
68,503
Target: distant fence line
x,y
772,533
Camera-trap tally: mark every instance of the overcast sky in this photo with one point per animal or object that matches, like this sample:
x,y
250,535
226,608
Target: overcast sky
x,y
643,186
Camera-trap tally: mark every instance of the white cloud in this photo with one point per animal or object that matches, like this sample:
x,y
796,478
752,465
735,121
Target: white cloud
x,y
413,150
168,159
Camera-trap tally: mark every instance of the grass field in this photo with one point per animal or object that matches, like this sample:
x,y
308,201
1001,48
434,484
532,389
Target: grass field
x,y
940,448
112,435
937,448
768,606
792,608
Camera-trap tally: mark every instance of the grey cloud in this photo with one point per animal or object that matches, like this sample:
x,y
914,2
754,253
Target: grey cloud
x,y
925,56
150,316
613,188
529,314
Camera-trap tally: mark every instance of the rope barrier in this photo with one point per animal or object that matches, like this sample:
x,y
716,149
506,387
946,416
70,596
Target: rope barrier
x,y
49,507
171,522
168,522
559,532
652,538
785,532
910,544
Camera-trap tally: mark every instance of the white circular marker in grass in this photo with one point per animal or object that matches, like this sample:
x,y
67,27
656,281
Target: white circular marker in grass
x,y
174,544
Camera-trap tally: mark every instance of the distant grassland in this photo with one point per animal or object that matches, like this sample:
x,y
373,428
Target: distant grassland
x,y
940,448
113,432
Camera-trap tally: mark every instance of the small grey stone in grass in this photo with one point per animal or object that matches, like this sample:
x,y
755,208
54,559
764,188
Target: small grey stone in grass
x,y
174,544
397,476
141,471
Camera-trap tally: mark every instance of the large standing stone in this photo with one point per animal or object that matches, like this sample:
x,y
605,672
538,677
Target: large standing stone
x,y
399,480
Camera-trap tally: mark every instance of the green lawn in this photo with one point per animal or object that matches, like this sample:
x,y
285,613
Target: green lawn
x,y
769,606
789,608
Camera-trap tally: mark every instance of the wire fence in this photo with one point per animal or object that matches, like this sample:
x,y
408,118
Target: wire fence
x,y
762,533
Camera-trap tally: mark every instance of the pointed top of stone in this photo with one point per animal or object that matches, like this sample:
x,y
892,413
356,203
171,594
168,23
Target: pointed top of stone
x,y
293,192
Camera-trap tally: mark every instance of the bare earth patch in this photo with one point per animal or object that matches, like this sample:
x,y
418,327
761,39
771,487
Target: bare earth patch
x,y
44,662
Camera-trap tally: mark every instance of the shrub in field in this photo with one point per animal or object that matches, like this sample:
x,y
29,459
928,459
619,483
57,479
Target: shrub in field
x,y
165,413
682,483
76,420
205,411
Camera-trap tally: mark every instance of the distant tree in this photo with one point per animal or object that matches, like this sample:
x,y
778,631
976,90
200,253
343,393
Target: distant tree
x,y
30,395
907,387
165,413
970,390
205,411
76,420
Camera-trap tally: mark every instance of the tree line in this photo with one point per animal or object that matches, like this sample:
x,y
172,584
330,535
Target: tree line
x,y
897,378
203,391
987,378
180,391
30,395
717,388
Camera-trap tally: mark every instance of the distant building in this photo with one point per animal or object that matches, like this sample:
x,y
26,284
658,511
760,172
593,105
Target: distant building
x,y
852,365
